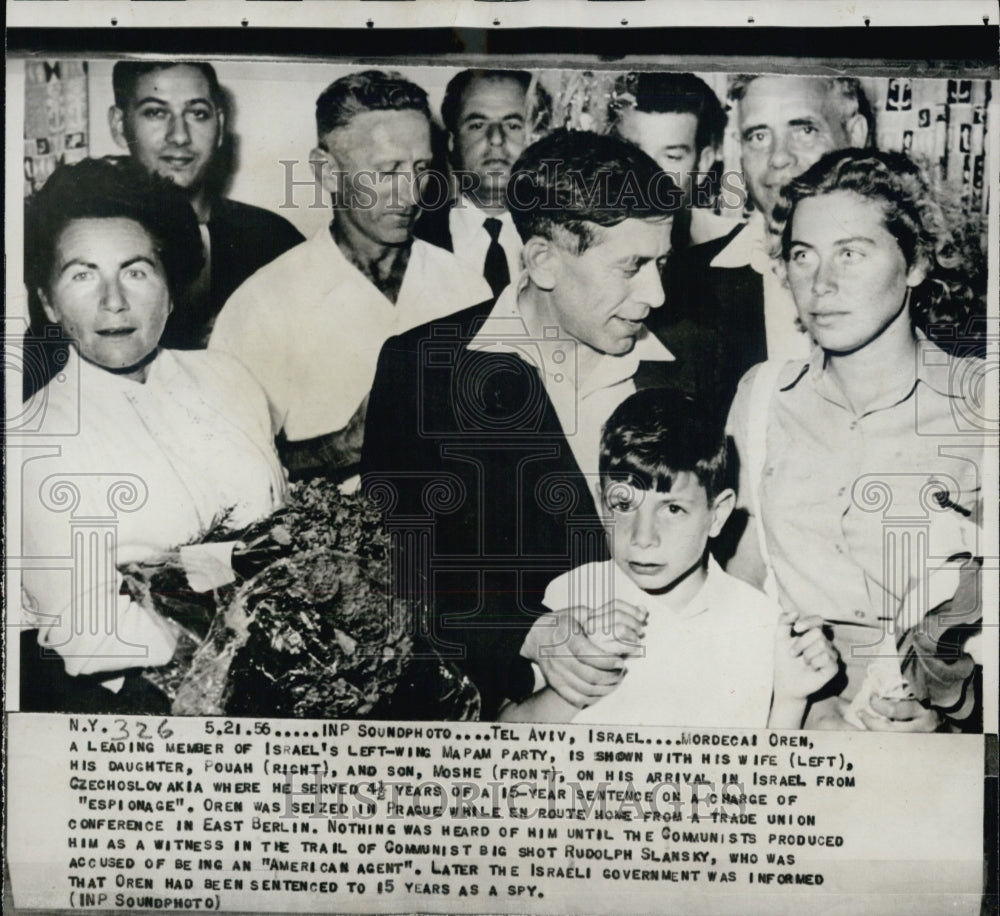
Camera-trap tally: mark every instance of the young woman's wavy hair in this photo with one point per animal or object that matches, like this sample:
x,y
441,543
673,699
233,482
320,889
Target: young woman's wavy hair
x,y
950,304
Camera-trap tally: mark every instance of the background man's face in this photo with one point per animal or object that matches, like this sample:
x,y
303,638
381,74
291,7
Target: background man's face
x,y
669,139
382,154
491,133
171,125
786,124
603,296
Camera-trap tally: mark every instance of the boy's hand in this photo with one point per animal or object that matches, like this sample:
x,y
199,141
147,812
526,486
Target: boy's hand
x,y
617,628
581,651
804,659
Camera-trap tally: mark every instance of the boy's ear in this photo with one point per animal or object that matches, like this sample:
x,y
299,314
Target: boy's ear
x,y
722,508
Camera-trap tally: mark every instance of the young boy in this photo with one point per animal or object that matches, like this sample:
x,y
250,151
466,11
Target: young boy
x,y
715,652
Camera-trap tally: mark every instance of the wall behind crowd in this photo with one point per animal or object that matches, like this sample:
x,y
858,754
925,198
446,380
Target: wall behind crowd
x,y
942,121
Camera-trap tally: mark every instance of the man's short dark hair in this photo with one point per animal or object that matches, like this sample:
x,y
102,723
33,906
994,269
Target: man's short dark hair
x,y
367,90
576,181
127,73
668,93
112,188
850,96
658,433
457,86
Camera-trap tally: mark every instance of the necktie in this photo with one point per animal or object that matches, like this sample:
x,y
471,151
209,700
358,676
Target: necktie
x,y
495,267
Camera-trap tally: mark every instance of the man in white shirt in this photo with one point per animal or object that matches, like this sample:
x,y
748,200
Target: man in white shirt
x,y
786,123
483,427
490,116
310,325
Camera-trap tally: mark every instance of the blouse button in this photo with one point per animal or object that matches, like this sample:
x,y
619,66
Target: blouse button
x,y
859,613
853,426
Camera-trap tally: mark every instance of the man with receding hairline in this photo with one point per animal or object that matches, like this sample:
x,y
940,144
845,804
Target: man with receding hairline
x,y
309,326
490,119
786,123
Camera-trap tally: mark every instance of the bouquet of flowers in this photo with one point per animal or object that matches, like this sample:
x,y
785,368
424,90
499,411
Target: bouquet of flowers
x,y
308,628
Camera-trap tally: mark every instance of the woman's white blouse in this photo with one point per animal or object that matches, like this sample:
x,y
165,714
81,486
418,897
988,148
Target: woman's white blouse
x,y
128,470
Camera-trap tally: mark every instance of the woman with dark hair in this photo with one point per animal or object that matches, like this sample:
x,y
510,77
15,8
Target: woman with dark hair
x,y
860,467
155,447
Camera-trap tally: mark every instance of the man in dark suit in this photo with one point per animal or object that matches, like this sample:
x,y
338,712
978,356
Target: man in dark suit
x,y
483,427
490,118
171,117
786,123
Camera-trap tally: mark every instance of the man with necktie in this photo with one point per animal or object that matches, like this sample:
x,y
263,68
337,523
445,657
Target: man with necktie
x,y
490,116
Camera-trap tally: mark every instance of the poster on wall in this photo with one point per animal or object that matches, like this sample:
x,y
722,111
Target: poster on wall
x,y
460,463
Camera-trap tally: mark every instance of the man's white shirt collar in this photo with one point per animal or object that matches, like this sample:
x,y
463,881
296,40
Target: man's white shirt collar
x,y
504,330
470,241
467,218
582,406
750,247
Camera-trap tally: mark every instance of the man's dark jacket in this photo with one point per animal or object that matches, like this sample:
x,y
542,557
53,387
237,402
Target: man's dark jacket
x,y
466,455
433,226
727,301
243,239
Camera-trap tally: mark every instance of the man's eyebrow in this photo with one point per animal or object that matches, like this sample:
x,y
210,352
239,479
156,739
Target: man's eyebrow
x,y
138,259
683,146
807,121
77,262
155,100
479,116
754,127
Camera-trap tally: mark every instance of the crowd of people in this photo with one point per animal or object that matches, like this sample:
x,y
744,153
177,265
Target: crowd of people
x,y
652,446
